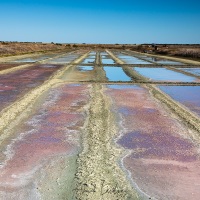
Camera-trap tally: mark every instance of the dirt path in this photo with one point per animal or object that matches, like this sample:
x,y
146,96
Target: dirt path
x,y
98,175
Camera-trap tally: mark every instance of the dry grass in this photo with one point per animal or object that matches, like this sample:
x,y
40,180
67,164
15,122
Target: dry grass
x,y
15,48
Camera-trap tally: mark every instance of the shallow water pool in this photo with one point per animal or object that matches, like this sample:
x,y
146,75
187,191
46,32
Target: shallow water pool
x,y
85,68
108,61
163,74
89,61
131,59
187,95
162,61
195,71
116,74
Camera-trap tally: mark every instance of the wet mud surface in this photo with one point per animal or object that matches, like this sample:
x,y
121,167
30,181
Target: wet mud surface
x,y
52,133
34,59
16,84
7,66
163,161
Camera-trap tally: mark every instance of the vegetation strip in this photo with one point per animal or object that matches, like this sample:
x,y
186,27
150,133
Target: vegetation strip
x,y
10,113
98,175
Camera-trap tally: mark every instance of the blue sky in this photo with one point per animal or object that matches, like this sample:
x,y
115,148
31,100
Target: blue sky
x,y
76,21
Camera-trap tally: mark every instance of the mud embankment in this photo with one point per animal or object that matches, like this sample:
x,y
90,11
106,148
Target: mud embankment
x,y
98,59
98,175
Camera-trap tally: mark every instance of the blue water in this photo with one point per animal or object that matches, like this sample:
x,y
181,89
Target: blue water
x,y
103,53
85,68
108,61
64,59
195,71
187,95
121,87
116,74
89,61
163,61
93,53
162,74
132,59
105,57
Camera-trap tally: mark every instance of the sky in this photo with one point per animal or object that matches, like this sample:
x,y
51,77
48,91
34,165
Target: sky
x,y
104,21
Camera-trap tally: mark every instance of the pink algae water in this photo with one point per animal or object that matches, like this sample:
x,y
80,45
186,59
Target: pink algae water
x,y
53,130
164,162
14,85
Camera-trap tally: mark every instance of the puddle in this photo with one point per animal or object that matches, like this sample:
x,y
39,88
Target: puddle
x,y
195,71
64,59
116,74
162,74
89,61
85,68
187,95
92,53
120,87
131,59
105,57
91,57
161,61
104,54
108,61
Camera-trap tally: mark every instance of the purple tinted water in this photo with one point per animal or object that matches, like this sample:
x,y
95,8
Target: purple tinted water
x,y
187,95
161,144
